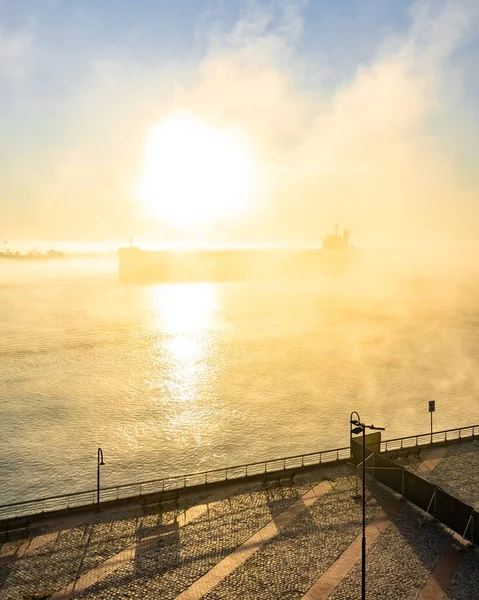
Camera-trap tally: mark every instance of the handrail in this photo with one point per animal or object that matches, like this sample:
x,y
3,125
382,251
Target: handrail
x,y
429,433
36,505
131,490
425,439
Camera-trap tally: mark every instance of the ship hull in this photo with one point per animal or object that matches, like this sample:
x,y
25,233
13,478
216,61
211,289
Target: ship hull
x,y
144,266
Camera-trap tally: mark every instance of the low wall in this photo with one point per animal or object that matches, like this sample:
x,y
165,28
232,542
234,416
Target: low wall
x,y
446,508
196,482
38,520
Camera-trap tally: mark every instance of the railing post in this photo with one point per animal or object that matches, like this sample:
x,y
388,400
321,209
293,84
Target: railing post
x,y
81,498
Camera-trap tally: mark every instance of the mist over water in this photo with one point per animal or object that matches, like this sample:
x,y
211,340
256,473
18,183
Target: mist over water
x,y
171,379
227,124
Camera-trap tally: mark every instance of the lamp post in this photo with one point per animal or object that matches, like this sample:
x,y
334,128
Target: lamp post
x,y
358,418
99,464
351,422
361,428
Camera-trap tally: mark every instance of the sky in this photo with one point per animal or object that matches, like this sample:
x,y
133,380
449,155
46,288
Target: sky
x,y
362,112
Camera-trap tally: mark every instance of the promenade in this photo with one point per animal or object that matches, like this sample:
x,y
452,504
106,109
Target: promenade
x,y
247,540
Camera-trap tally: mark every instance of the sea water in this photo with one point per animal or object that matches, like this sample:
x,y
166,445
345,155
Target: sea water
x,y
172,379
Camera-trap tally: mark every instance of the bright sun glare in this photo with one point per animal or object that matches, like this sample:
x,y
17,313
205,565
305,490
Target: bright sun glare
x,y
194,174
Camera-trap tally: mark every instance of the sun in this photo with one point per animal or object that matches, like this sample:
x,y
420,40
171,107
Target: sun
x,y
194,174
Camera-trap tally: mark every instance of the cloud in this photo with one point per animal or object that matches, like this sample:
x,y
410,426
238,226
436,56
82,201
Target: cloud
x,y
16,55
370,154
367,153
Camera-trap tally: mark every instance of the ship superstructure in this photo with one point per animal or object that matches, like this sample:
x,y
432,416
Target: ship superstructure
x,y
337,242
236,264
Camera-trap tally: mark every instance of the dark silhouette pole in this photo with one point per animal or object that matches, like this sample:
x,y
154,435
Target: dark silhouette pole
x,y
432,408
358,418
351,422
99,464
363,541
361,428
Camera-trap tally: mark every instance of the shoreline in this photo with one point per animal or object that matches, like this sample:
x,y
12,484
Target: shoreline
x,y
276,468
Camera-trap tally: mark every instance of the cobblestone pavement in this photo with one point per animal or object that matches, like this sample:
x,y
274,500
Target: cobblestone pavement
x,y
285,566
425,463
9,548
412,463
77,550
458,472
185,555
399,562
73,552
465,584
303,550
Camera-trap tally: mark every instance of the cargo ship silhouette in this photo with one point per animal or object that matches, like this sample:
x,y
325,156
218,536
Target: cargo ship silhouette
x,y
236,264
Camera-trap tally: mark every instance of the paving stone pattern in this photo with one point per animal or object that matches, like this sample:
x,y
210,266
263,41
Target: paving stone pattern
x,y
457,473
183,555
399,562
288,565
74,552
410,464
465,584
9,548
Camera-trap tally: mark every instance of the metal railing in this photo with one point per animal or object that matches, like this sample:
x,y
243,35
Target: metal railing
x,y
132,490
426,439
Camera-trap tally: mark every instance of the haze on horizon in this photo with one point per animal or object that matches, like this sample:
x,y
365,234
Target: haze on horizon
x,y
241,120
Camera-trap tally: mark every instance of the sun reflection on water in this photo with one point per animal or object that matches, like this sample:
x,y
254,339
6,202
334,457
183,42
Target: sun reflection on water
x,y
184,316
187,308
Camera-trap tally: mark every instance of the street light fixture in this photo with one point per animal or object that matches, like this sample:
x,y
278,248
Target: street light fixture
x,y
99,464
361,428
356,430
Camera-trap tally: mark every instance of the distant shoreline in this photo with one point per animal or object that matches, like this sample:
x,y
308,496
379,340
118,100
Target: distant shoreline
x,y
51,255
